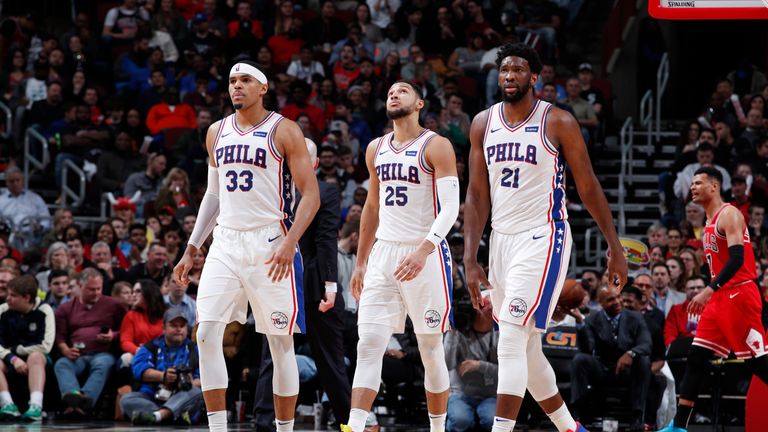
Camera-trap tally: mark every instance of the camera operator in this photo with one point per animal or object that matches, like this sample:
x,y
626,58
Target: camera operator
x,y
168,376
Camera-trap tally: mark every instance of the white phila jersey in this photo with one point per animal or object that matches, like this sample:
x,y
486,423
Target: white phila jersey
x,y
525,171
255,186
408,201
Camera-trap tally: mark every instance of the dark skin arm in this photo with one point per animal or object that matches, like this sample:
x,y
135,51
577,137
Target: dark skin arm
x,y
477,208
564,132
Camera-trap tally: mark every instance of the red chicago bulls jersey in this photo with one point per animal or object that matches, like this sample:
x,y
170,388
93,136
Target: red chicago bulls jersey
x,y
716,248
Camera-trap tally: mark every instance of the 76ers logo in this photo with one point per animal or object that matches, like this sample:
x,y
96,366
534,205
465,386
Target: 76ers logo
x,y
279,320
517,307
432,318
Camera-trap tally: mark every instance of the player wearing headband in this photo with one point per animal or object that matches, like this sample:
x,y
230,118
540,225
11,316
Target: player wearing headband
x,y
254,158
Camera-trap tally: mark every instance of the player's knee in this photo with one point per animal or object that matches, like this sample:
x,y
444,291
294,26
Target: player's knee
x,y
210,335
542,383
373,342
513,366
512,341
285,375
436,378
759,367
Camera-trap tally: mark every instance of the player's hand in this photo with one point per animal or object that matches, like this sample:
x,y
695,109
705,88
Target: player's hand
x,y
625,362
468,366
696,305
281,261
181,271
326,304
475,276
617,269
20,366
356,282
413,263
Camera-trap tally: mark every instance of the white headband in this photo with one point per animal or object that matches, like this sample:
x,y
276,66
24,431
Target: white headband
x,y
245,68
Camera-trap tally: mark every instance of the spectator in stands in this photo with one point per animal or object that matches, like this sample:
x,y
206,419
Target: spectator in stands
x,y
155,268
393,42
327,29
86,328
548,76
364,19
466,61
345,70
691,262
694,218
746,78
676,275
347,244
190,151
170,114
674,241
155,94
198,261
56,258
202,39
188,224
300,92
456,121
615,346
143,322
26,338
583,111
540,18
177,298
137,237
679,322
149,181
663,296
47,110
163,394
473,368
305,67
727,147
62,217
383,11
244,14
657,235
25,209
58,288
168,19
175,191
116,164
591,94
549,93
755,127
361,46
284,17
123,293
103,260
122,23
705,154
131,70
76,251
173,237
80,141
6,275
739,197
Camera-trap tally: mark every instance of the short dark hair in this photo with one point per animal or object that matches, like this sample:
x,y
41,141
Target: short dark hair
x,y
137,225
710,130
711,172
549,84
634,291
57,273
695,277
416,88
705,147
660,264
523,51
25,285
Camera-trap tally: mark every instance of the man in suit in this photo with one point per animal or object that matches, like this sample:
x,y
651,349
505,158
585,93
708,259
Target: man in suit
x,y
615,345
323,307
663,295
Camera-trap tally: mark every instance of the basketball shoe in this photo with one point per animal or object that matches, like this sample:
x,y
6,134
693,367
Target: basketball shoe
x,y
672,428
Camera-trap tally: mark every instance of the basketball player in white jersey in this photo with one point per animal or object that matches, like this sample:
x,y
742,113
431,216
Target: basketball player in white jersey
x,y
254,157
413,201
517,167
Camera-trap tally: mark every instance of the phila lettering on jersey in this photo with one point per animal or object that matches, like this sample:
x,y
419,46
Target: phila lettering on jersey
x,y
255,185
525,171
408,201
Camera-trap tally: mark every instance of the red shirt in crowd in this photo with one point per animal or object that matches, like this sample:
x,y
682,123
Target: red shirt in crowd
x,y
316,115
163,116
137,330
678,324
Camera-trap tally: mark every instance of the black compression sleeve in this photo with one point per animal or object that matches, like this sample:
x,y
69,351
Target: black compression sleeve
x,y
735,261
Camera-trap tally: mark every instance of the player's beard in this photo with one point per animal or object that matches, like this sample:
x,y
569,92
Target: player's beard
x,y
238,106
522,90
399,113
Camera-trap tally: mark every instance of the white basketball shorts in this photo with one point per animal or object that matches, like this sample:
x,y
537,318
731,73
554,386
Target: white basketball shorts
x,y
426,298
235,274
527,271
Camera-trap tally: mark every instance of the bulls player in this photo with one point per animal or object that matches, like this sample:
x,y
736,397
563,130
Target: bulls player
x,y
413,201
254,157
730,306
517,166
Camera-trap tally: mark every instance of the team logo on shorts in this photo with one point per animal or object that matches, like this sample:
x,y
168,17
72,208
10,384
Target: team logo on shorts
x,y
432,318
517,307
279,320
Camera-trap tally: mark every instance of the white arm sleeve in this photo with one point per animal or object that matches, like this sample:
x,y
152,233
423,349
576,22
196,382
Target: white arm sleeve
x,y
209,210
448,196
